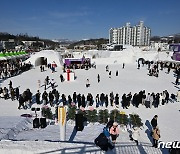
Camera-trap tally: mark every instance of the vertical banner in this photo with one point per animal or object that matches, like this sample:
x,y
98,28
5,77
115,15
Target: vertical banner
x,y
62,122
68,76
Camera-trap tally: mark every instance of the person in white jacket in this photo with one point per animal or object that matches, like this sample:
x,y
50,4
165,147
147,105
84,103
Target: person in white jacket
x,y
151,100
178,96
147,102
135,135
160,99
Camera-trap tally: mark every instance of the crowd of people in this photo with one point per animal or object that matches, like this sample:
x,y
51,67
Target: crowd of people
x,y
81,100
10,68
54,97
155,66
9,92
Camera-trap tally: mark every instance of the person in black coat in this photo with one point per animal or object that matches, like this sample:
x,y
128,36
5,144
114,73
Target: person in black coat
x,y
56,94
138,100
21,102
167,96
10,84
29,96
83,101
79,100
154,121
110,124
74,97
61,78
102,99
98,77
129,97
116,73
51,98
111,98
45,97
134,99
69,100
117,100
97,100
157,97
91,100
63,99
124,101
38,94
177,80
103,142
17,93
106,101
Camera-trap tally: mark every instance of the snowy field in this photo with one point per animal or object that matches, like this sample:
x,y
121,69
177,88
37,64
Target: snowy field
x,y
18,136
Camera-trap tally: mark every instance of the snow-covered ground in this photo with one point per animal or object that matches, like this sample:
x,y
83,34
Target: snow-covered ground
x,y
18,136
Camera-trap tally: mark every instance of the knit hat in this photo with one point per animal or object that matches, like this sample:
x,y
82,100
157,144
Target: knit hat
x,y
115,124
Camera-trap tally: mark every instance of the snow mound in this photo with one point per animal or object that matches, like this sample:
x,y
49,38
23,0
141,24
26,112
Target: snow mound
x,y
51,55
128,55
21,126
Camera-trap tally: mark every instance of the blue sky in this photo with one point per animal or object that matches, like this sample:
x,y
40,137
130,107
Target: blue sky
x,y
84,19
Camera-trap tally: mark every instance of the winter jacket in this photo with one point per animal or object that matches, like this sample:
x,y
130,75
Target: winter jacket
x,y
102,142
154,122
135,134
160,99
156,134
21,100
148,98
114,130
151,99
178,96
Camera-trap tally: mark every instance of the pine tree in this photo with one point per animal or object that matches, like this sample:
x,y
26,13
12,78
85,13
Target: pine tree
x,y
135,120
114,115
123,119
103,116
47,113
71,112
92,116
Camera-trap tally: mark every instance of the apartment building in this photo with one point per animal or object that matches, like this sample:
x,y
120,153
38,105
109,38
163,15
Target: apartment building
x,y
138,35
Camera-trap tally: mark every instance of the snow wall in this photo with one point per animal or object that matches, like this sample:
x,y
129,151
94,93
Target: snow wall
x,y
128,55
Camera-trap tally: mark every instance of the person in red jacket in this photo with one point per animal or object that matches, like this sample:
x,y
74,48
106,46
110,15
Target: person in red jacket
x,y
114,131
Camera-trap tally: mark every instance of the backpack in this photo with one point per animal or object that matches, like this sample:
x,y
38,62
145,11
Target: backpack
x,y
101,140
106,132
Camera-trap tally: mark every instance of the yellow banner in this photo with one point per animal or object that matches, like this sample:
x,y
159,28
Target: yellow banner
x,y
61,115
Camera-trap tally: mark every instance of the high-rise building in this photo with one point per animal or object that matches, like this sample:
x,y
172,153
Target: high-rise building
x,y
138,35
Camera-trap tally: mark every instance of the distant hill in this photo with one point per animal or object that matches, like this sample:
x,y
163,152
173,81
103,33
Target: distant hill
x,y
174,38
25,37
64,41
97,42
